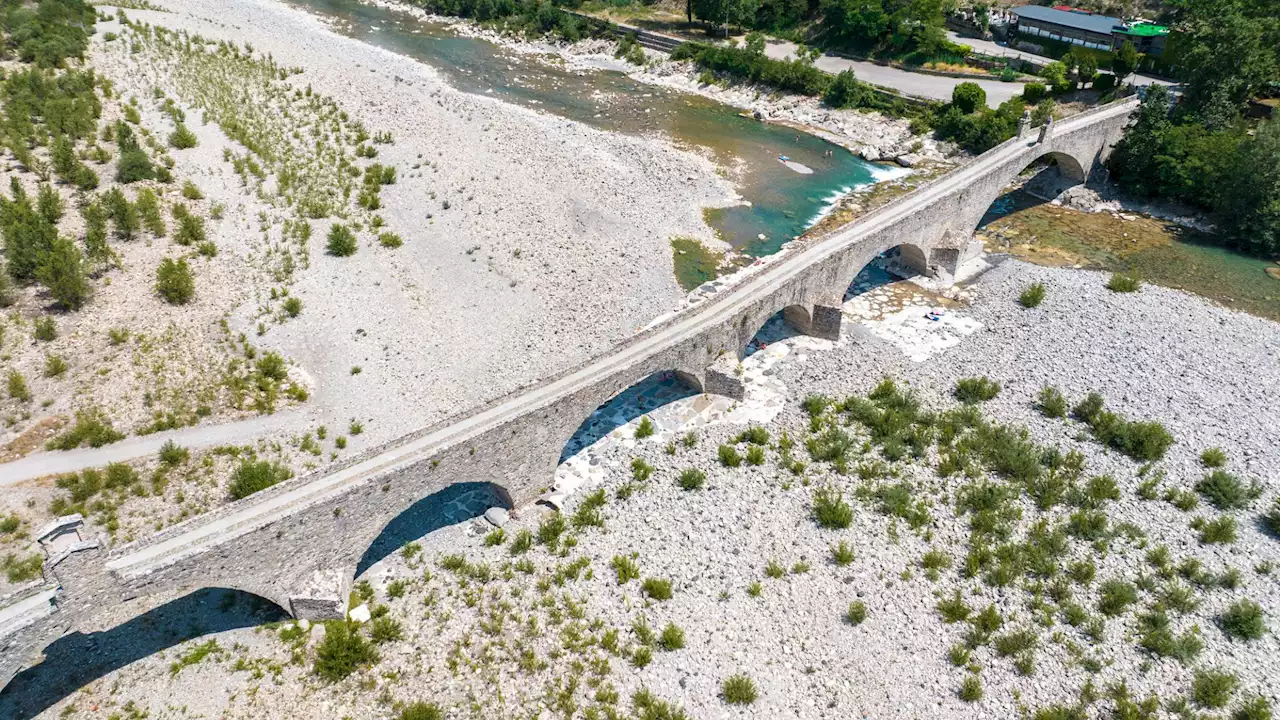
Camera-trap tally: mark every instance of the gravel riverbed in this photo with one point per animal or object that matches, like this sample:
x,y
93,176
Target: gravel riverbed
x,y
484,634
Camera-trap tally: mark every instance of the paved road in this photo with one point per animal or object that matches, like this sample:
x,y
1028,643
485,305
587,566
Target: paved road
x,y
934,87
56,462
987,47
250,515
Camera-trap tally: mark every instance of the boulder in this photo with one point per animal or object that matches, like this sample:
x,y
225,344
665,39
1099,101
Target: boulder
x,y
909,160
360,614
497,516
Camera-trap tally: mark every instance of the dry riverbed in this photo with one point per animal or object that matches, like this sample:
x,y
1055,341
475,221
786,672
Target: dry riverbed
x,y
940,581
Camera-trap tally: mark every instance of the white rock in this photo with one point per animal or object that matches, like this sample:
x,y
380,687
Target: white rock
x,y
360,614
498,516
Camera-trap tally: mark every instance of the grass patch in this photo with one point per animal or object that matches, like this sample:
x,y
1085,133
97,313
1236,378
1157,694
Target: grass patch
x,y
342,652
1124,283
856,613
1227,492
830,509
976,389
252,476
1032,296
692,479
1213,688
739,690
657,589
1243,620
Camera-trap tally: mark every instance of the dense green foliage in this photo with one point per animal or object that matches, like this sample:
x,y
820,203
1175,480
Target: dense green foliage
x,y
750,64
254,475
913,29
49,32
1232,169
536,17
175,281
797,76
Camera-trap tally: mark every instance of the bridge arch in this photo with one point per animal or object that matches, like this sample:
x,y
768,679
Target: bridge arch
x,y
450,505
78,658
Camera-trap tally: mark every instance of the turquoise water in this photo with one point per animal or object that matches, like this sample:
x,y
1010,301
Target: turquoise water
x,y
783,203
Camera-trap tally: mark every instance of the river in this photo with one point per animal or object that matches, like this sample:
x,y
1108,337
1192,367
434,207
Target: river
x,y
783,202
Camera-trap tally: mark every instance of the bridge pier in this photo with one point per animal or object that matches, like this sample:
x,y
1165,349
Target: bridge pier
x,y
323,597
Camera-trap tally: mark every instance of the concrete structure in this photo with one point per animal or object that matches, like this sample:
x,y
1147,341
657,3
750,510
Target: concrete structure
x,y
298,544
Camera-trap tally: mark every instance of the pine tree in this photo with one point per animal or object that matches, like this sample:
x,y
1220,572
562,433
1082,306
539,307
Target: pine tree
x,y
62,273
98,254
27,234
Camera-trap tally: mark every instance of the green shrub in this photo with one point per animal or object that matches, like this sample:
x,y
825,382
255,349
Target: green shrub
x,y
1102,82
18,389
341,241
625,568
672,637
1034,92
1220,530
54,366
91,428
842,554
642,656
172,454
191,192
61,271
1271,519
1016,642
976,389
182,138
1116,596
969,97
755,455
856,613
1032,296
254,475
1243,620
421,711
729,456
292,307
175,282
645,429
1051,403
1225,491
739,690
692,479
390,240
342,651
830,509
1213,688
190,230
656,589
1256,709
971,689
1124,283
1213,458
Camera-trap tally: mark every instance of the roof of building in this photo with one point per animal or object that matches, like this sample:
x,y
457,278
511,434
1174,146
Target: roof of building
x,y
1100,24
1145,30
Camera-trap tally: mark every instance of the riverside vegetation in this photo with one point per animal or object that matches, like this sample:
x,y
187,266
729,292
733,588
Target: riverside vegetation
x,y
99,220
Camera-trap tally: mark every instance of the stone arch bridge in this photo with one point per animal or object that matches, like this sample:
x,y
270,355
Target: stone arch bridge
x,y
298,544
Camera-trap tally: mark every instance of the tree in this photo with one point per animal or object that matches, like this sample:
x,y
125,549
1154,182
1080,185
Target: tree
x,y
1125,61
27,234
1251,206
845,91
969,97
97,253
1132,162
1055,74
856,23
724,13
1225,48
175,281
133,164
1087,69
62,273
341,241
